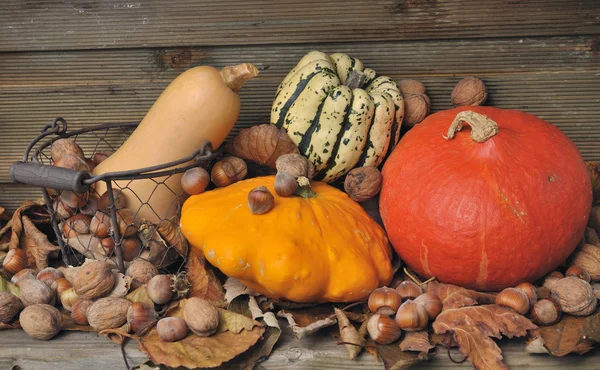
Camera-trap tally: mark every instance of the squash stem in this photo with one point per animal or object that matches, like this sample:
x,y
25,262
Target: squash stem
x,y
356,80
236,76
482,128
304,190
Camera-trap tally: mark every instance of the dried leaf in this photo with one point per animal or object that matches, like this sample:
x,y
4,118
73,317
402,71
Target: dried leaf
x,y
37,212
7,286
205,284
300,331
453,296
594,169
148,365
37,244
235,288
118,335
14,325
536,345
353,341
194,351
417,341
591,327
234,322
395,359
472,327
140,295
566,336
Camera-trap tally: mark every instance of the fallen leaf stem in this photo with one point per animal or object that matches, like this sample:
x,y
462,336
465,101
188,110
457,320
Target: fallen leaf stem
x,y
354,344
455,361
416,280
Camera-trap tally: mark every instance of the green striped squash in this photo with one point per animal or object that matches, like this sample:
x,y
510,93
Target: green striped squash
x,y
338,127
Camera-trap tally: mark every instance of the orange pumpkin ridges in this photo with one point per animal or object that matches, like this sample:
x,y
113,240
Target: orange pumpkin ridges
x,y
490,214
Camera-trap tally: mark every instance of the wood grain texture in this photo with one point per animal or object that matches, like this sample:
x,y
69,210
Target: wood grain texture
x,y
85,24
76,350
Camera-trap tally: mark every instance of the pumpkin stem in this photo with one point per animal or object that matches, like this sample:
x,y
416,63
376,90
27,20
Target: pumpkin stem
x,y
304,190
482,128
236,76
356,80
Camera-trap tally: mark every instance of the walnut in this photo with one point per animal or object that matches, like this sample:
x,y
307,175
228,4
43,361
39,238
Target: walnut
x,y
416,108
141,271
587,257
10,305
41,321
575,296
363,183
411,87
296,165
469,91
36,292
94,280
108,313
201,317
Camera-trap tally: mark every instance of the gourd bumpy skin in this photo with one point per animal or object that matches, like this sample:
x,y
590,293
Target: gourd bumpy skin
x,y
320,249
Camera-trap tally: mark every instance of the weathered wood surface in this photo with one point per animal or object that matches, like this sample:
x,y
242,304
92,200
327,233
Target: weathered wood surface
x,y
67,25
77,350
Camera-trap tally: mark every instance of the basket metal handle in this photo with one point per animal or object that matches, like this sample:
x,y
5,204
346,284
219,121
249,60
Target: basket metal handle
x,y
49,176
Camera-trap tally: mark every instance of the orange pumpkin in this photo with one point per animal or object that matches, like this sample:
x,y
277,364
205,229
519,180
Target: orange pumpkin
x,y
494,205
324,248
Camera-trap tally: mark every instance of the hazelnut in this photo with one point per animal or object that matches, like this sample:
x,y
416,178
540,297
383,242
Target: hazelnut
x,y
41,321
141,271
108,313
285,184
260,200
383,329
131,248
159,289
575,296
514,298
74,200
409,290
469,91
546,311
100,225
363,183
195,180
587,257
412,316
201,317
94,280
432,304
295,165
64,147
552,278
416,108
543,292
91,206
530,291
411,87
228,170
578,272
106,247
35,292
49,275
62,210
23,274
10,305
385,301
68,299
79,312
14,261
140,316
171,329
128,223
60,285
118,197
77,225
100,157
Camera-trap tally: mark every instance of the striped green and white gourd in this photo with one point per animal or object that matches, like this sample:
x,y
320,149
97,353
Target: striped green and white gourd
x,y
335,126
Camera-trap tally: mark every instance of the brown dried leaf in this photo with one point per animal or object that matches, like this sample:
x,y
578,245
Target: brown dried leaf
x,y
205,284
472,328
7,286
14,325
566,336
37,244
235,288
311,327
353,341
591,327
453,296
395,359
140,295
416,341
117,335
594,169
37,213
194,351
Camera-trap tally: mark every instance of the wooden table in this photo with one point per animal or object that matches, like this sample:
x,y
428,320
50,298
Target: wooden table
x,y
78,350
93,62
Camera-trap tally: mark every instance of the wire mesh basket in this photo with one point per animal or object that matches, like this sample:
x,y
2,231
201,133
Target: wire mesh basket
x,y
89,212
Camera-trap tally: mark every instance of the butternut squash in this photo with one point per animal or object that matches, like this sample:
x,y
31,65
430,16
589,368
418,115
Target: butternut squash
x,y
200,104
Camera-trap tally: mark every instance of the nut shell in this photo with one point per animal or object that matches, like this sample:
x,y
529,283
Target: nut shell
x,y
578,272
383,329
411,87
26,273
100,225
546,311
79,312
10,305
41,321
79,224
118,196
201,317
260,200
141,271
587,257
131,248
385,301
412,316
60,285
363,183
140,316
295,165
159,289
14,261
128,223
228,170
285,184
49,275
513,298
35,292
171,329
469,91
94,280
530,291
408,290
575,296
63,147
432,304
68,299
416,108
195,180
108,313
